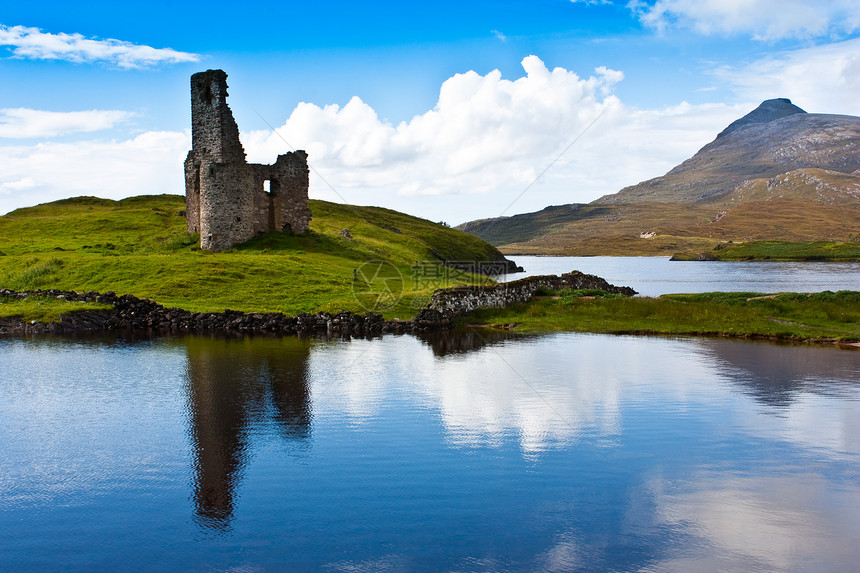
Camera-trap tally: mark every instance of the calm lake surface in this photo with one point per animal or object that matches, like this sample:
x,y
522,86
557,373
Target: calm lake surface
x,y
653,276
456,452
465,451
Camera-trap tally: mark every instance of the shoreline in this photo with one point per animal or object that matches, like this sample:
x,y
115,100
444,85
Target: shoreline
x,y
131,312
450,309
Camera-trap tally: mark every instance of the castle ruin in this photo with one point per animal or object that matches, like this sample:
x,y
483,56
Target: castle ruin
x,y
227,199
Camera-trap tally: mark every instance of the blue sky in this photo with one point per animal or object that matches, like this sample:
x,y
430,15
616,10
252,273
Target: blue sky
x,y
449,110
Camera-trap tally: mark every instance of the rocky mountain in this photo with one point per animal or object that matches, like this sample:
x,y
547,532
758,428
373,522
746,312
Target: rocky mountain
x,y
769,110
778,173
775,138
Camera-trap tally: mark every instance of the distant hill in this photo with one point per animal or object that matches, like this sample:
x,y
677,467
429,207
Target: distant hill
x,y
778,173
775,138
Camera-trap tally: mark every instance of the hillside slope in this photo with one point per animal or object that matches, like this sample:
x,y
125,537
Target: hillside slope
x,y
775,138
776,174
139,246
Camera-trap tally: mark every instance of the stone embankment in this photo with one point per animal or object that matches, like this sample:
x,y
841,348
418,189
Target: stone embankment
x,y
447,304
461,300
130,312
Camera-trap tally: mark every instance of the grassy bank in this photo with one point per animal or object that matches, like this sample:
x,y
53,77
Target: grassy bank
x,y
139,246
822,317
791,316
43,309
780,251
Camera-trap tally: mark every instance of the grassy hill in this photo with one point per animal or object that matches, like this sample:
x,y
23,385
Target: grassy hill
x,y
140,246
777,174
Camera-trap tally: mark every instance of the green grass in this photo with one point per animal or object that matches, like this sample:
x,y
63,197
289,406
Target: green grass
x,y
781,251
819,316
43,309
140,246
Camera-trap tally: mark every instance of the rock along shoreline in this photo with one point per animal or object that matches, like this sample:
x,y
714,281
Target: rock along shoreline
x,y
132,313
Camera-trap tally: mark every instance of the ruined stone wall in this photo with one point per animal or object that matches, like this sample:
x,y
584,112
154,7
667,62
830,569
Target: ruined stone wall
x,y
462,300
289,192
226,205
214,132
224,195
285,206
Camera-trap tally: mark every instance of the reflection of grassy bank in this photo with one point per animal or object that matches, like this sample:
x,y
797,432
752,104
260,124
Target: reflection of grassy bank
x,y
43,309
793,316
778,251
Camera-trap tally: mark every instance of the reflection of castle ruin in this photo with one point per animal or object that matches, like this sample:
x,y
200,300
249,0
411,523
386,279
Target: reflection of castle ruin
x,y
234,388
227,199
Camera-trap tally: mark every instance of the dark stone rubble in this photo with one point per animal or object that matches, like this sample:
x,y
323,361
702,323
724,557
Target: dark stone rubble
x,y
131,313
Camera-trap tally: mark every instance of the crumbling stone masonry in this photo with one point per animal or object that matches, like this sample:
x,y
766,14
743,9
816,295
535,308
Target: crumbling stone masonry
x,y
227,199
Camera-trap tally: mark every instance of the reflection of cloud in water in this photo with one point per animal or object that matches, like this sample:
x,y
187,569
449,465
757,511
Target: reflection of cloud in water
x,y
565,555
539,392
557,389
553,390
352,378
382,564
545,392
811,421
776,375
810,391
785,523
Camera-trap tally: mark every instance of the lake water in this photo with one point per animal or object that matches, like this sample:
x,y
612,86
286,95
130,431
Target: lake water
x,y
456,452
653,276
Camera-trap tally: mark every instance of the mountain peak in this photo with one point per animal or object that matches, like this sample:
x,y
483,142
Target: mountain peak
x,y
768,111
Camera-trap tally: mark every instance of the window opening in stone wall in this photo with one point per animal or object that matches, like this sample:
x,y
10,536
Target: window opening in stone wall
x,y
267,185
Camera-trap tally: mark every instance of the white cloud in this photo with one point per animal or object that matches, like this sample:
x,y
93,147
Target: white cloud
x,y
21,123
765,20
33,44
148,164
17,186
473,154
488,138
823,79
484,142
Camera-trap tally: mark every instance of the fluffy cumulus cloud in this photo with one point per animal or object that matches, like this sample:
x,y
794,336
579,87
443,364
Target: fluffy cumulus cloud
x,y
823,79
766,20
23,123
34,44
490,146
561,137
150,163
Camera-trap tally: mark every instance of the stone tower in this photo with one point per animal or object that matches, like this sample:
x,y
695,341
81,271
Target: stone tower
x,y
226,198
